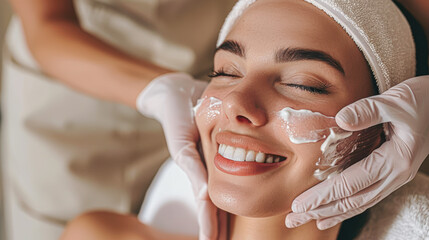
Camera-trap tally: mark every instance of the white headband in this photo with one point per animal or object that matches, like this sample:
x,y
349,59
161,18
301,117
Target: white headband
x,y
378,28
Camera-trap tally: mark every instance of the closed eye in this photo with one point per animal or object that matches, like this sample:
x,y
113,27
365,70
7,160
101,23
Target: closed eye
x,y
308,88
221,73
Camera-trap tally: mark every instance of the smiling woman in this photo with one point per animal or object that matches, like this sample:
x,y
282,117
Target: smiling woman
x,y
283,68
275,57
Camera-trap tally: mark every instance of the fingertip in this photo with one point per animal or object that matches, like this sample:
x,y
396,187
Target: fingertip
x,y
346,117
297,207
323,225
343,123
291,221
311,198
288,223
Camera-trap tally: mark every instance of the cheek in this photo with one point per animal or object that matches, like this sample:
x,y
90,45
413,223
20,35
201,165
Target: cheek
x,y
302,165
304,132
207,113
304,126
320,147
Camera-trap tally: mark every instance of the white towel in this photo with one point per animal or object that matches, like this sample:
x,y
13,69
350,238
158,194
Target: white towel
x,y
377,27
404,215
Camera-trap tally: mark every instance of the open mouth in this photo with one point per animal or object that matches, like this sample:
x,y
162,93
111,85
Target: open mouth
x,y
244,155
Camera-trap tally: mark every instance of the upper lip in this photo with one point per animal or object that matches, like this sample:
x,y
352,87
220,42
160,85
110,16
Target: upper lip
x,y
246,142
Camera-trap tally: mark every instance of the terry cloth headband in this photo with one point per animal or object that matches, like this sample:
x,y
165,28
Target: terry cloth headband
x,y
378,28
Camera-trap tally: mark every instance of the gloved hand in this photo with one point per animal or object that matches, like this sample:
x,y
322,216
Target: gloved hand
x,y
170,99
405,107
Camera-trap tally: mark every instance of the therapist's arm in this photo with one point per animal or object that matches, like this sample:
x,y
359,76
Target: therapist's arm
x,y
66,52
104,225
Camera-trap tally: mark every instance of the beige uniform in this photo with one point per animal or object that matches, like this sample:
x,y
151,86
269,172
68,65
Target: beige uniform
x,y
64,152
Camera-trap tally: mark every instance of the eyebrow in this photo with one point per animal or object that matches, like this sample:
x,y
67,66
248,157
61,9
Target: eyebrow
x,y
233,47
298,54
287,54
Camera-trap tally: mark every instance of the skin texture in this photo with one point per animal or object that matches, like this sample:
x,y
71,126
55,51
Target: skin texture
x,y
86,63
254,89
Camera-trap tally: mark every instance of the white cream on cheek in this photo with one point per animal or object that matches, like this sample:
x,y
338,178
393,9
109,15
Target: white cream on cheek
x,y
295,119
210,108
302,126
330,162
305,126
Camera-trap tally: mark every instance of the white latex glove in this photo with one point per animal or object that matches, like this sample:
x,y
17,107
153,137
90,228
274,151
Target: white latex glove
x,y
169,99
405,108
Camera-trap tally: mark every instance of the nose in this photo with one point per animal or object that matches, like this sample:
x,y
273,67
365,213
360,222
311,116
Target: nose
x,y
241,106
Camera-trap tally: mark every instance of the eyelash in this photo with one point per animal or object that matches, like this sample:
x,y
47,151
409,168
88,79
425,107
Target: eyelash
x,y
309,89
322,90
220,73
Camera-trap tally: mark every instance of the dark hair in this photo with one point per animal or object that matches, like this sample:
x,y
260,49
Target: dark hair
x,y
420,41
351,228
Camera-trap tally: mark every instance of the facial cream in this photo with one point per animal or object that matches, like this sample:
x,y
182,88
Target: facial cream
x,y
303,126
210,107
295,120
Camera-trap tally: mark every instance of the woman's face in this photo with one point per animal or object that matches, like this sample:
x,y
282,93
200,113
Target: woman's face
x,y
280,53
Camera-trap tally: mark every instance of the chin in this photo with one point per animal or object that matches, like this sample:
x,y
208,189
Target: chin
x,y
247,202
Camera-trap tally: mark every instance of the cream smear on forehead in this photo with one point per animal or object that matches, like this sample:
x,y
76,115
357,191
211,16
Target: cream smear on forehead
x,y
330,161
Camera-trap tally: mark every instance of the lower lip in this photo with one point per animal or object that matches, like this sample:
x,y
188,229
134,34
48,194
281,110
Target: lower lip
x,y
243,168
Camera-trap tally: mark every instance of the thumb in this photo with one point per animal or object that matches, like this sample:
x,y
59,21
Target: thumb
x,y
359,115
391,106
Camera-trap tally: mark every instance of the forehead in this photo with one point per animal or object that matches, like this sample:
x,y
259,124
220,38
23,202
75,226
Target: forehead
x,y
268,25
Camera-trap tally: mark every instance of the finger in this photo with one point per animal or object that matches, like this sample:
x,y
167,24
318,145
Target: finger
x,y
333,213
355,178
390,106
329,222
341,206
332,221
294,220
207,219
188,159
325,217
329,215
344,207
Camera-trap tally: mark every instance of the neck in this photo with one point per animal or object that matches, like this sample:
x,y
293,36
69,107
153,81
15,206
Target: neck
x,y
273,228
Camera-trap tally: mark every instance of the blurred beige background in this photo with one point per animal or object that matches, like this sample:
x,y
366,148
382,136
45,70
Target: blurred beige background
x,y
5,13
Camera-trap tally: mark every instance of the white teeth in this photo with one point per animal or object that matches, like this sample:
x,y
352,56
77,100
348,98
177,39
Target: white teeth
x,y
260,157
229,152
250,157
222,148
240,155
